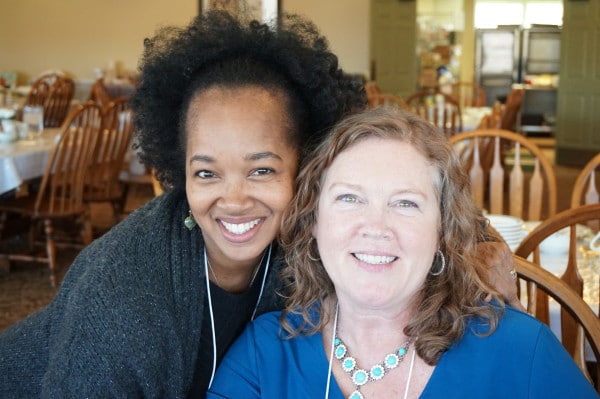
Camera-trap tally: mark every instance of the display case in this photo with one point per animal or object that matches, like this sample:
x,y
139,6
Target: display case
x,y
538,110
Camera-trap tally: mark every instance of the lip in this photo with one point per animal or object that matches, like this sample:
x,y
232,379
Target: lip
x,y
240,238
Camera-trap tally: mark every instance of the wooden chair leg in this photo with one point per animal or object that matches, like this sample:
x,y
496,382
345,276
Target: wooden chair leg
x,y
86,232
50,250
3,218
117,210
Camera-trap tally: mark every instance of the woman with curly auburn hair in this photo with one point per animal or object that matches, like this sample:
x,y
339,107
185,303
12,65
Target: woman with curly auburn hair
x,y
385,294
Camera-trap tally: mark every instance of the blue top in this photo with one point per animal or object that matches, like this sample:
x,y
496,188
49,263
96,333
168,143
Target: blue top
x,y
521,359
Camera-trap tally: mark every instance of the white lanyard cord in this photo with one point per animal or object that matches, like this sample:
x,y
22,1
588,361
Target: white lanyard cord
x,y
335,319
212,321
210,307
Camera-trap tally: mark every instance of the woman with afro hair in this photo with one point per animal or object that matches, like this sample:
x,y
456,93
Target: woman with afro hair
x,y
225,111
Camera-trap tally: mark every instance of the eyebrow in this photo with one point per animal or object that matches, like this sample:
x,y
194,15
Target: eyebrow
x,y
359,188
256,156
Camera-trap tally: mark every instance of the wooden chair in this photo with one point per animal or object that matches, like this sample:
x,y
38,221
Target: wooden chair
x,y
372,89
585,189
60,194
387,100
586,322
512,106
571,276
438,108
494,119
102,180
53,92
500,188
468,94
58,103
99,94
38,94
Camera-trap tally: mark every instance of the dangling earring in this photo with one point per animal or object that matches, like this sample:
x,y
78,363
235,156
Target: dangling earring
x,y
443,259
310,250
189,221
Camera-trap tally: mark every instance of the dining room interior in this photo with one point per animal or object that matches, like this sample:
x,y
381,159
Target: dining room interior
x,y
527,67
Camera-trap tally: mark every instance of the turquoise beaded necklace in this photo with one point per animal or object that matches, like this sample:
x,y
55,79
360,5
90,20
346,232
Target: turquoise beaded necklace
x,y
361,376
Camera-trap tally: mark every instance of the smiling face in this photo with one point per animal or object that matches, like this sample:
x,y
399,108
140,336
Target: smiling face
x,y
240,170
377,223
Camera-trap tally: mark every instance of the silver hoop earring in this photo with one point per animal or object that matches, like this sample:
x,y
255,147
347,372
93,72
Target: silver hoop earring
x,y
442,267
310,250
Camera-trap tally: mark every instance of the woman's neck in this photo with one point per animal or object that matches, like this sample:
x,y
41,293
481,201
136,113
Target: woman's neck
x,y
234,276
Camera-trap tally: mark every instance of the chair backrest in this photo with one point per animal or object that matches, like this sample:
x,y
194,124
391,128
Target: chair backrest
x,y
438,108
512,106
569,218
494,119
388,100
102,181
500,187
99,94
536,279
38,94
372,89
61,190
58,102
468,94
585,189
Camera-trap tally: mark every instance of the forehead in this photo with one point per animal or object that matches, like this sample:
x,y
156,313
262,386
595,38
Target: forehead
x,y
251,119
376,160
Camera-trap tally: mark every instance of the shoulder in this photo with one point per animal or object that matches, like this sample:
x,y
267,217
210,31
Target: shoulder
x,y
521,350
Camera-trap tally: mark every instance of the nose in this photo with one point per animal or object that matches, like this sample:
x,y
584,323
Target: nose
x,y
236,196
376,224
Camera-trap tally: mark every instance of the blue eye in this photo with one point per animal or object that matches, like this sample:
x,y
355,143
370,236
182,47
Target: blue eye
x,y
406,204
262,171
347,198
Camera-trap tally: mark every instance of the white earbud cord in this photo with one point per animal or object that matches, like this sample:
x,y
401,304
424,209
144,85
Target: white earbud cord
x,y
210,307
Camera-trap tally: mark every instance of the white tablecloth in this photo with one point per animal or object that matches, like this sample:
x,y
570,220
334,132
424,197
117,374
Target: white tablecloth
x,y
471,116
23,160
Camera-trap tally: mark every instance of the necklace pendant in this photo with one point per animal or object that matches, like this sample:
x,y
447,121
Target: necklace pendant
x,y
391,361
348,364
377,372
356,395
360,377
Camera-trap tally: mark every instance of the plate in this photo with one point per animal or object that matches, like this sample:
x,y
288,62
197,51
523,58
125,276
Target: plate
x,y
500,222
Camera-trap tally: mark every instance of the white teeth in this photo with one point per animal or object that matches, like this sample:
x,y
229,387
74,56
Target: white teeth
x,y
375,259
240,228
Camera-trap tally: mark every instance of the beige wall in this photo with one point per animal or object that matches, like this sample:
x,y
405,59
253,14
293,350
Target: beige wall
x,y
345,23
80,35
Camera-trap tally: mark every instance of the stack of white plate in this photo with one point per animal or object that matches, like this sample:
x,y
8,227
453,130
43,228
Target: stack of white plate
x,y
509,227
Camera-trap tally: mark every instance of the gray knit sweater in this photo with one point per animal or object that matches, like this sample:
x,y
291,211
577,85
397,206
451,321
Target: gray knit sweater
x,y
126,321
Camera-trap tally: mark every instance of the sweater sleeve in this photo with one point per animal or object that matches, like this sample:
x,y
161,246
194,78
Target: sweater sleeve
x,y
120,324
112,337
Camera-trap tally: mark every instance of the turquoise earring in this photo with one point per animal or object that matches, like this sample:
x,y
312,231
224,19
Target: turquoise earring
x,y
189,221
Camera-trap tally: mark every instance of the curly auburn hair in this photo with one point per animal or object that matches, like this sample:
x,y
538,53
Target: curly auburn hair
x,y
217,49
446,301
